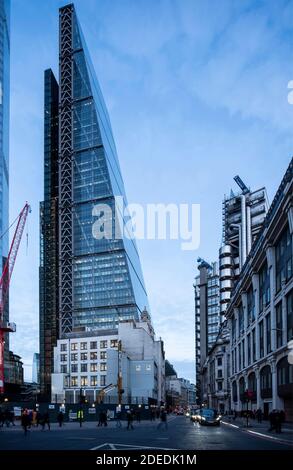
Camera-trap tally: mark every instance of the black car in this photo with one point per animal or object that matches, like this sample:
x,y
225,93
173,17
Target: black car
x,y
209,417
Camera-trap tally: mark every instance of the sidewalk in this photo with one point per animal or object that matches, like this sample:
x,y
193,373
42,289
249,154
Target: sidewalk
x,y
262,429
74,425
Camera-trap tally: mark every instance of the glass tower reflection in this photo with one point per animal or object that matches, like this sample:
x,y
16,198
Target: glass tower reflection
x,y
101,280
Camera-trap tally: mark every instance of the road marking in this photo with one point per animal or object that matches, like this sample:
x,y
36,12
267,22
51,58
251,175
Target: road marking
x,y
283,441
232,425
114,446
265,436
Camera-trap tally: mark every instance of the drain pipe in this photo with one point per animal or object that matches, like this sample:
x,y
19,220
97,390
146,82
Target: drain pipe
x,y
243,229
249,234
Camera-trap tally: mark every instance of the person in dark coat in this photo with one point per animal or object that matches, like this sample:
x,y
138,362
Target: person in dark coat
x,y
278,421
138,416
129,416
163,422
259,415
272,419
60,418
25,421
46,421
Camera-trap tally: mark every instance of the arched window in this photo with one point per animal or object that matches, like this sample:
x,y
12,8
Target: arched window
x,y
266,382
285,378
252,385
234,391
242,389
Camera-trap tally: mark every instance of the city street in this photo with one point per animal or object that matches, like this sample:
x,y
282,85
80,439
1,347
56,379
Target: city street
x,y
181,434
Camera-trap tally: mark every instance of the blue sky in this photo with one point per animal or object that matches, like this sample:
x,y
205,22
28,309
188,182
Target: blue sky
x,y
197,93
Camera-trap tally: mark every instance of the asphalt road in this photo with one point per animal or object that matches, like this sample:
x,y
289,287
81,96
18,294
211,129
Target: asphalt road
x,y
181,434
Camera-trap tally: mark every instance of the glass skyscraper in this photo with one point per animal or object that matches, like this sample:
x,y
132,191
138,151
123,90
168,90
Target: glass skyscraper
x,y
4,138
100,280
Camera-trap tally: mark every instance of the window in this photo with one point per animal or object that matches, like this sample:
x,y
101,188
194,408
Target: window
x,y
83,367
83,381
63,369
261,340
284,372
83,346
74,356
63,347
240,358
103,344
219,361
266,382
241,320
137,368
93,344
284,258
243,353
220,374
148,367
234,391
268,333
253,346
233,328
93,356
103,380
220,386
63,357
74,367
94,381
289,299
74,346
103,366
103,355
93,367
73,381
114,343
250,305
279,325
83,356
248,350
264,287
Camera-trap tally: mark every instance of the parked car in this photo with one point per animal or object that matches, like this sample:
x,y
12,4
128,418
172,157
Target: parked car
x,y
209,417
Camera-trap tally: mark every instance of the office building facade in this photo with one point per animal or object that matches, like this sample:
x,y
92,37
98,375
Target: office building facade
x,y
99,277
215,373
207,313
49,235
90,364
260,313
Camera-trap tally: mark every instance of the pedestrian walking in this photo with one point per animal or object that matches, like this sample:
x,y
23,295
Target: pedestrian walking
x,y
278,421
259,415
163,422
129,416
118,419
25,421
46,421
272,419
138,416
60,418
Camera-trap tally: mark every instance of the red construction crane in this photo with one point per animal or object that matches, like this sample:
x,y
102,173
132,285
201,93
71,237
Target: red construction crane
x,y
8,327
